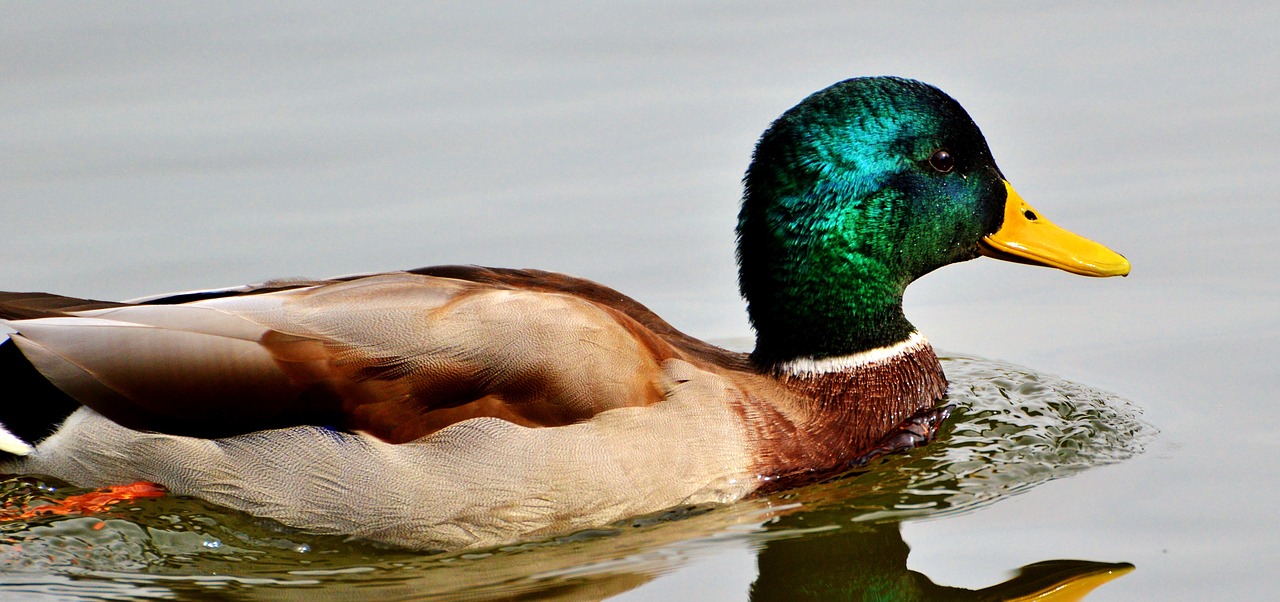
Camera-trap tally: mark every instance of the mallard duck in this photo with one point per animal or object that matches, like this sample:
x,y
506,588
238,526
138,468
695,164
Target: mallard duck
x,y
460,407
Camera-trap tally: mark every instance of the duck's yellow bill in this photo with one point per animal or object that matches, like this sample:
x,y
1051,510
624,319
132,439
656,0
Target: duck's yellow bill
x,y
1027,237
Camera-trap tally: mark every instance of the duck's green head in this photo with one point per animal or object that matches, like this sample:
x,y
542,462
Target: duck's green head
x,y
859,190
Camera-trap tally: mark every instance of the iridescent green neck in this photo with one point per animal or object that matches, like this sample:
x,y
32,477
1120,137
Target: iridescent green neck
x,y
812,292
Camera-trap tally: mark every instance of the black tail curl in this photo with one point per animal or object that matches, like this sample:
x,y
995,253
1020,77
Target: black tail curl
x,y
31,408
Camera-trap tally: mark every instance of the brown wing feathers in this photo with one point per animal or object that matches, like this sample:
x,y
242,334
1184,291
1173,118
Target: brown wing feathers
x,y
534,348
471,349
537,280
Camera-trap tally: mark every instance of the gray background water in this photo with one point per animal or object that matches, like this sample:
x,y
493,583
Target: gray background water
x,y
151,147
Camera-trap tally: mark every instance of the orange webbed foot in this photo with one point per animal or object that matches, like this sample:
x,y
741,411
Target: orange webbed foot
x,y
94,502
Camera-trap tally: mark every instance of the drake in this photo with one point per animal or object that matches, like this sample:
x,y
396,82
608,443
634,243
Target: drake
x,y
460,407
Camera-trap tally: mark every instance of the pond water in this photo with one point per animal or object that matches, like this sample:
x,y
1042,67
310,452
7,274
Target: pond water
x,y
158,147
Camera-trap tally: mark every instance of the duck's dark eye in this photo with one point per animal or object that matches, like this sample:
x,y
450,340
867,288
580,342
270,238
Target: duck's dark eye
x,y
942,161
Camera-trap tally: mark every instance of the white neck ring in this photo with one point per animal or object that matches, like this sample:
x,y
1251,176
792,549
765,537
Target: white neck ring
x,y
842,363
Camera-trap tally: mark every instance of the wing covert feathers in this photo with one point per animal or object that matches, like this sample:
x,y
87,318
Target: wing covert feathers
x,y
398,355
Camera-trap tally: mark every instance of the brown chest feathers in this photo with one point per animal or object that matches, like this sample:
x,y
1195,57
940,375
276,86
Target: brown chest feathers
x,y
840,417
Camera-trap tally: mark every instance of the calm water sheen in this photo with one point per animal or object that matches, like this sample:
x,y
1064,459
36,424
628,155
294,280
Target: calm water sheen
x,y
150,147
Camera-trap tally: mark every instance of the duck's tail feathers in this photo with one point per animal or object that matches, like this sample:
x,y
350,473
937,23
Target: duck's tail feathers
x,y
24,306
12,444
31,408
